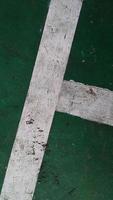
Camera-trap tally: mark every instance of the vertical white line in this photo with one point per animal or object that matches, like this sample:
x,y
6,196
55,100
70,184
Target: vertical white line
x,y
29,146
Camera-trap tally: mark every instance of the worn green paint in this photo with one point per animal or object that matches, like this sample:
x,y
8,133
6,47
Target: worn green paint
x,y
78,163
91,59
21,25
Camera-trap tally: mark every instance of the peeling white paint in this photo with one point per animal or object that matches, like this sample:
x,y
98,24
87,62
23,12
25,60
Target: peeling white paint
x,y
32,135
85,101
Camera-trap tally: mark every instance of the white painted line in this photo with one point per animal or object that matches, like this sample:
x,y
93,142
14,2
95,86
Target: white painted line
x,y
88,102
32,135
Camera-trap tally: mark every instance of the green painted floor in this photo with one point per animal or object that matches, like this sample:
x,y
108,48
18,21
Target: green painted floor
x,y
78,163
91,59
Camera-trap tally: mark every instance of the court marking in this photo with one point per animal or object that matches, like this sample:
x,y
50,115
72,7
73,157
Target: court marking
x,y
86,101
40,105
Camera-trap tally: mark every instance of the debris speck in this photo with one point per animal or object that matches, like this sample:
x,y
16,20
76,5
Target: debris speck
x,y
83,61
91,91
30,121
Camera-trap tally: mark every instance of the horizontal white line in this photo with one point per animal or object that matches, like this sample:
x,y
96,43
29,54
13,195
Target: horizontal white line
x,y
32,135
88,102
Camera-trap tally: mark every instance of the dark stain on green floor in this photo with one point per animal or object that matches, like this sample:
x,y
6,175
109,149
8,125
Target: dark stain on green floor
x,y
21,26
78,163
91,59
